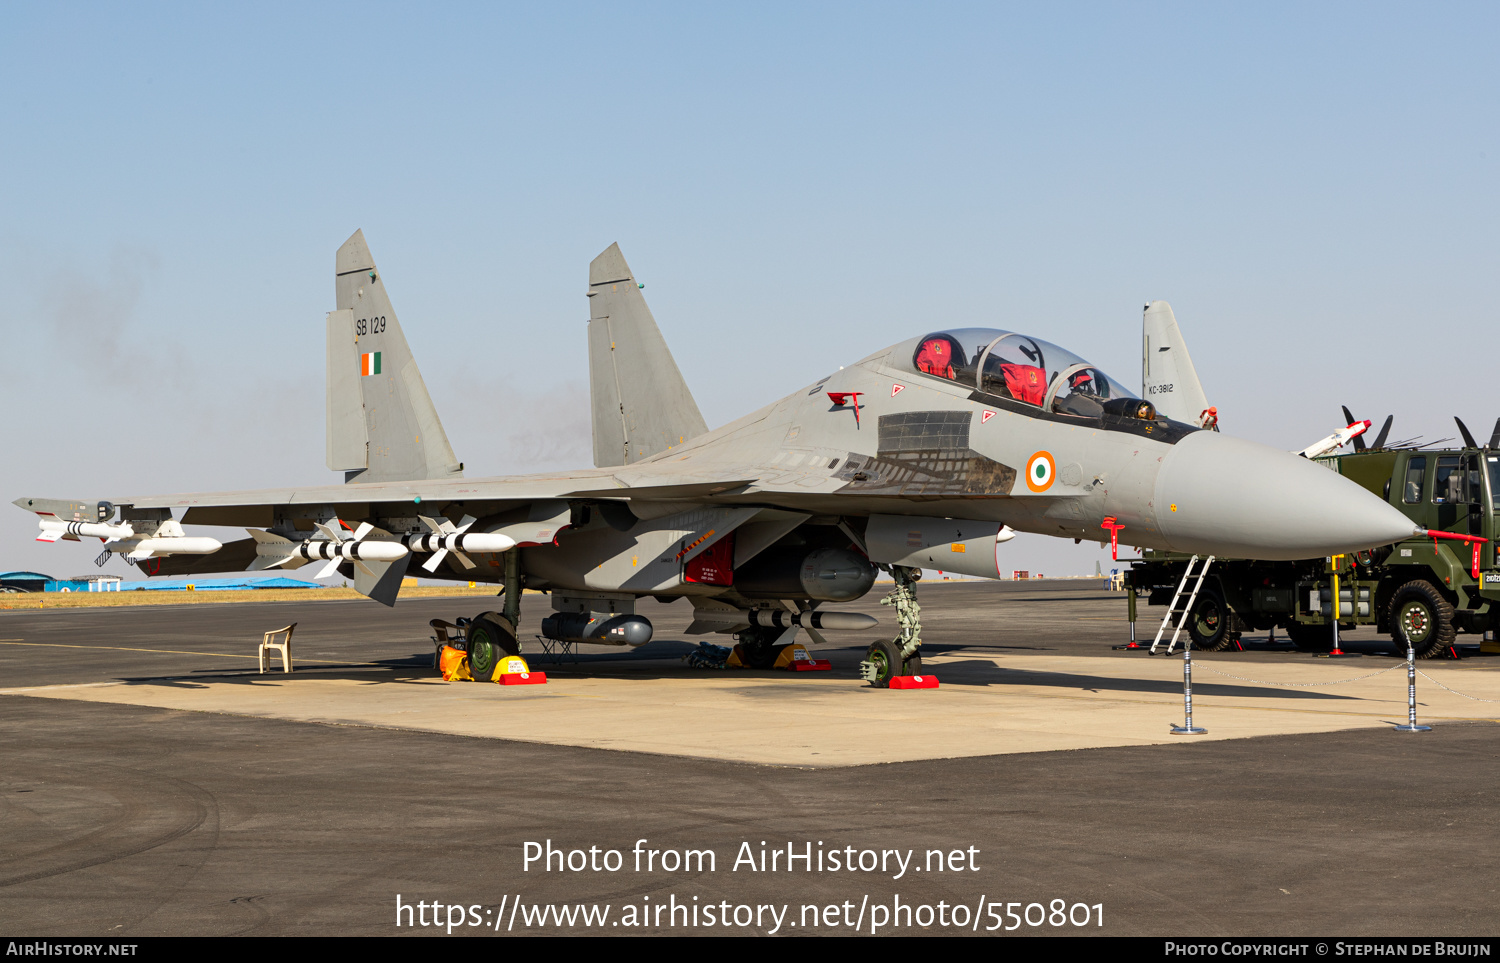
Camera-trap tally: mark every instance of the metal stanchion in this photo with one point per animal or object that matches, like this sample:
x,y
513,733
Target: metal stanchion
x,y
1187,728
1411,690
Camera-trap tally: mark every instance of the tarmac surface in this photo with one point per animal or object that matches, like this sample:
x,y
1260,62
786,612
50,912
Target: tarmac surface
x,y
153,782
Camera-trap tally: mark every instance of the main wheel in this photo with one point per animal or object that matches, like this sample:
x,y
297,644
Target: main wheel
x,y
885,656
1211,624
489,642
758,646
1420,613
1310,638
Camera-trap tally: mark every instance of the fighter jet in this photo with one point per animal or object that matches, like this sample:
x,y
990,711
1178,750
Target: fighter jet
x,y
930,453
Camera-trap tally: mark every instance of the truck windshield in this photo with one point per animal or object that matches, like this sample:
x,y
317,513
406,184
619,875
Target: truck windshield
x,y
1494,461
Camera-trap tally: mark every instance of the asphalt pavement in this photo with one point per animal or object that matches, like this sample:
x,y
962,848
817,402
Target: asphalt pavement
x,y
127,820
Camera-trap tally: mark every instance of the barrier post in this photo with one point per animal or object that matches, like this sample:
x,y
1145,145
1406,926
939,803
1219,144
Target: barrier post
x,y
1411,690
1187,728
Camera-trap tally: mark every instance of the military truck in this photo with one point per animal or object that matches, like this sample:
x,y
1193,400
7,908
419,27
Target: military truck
x,y
1426,588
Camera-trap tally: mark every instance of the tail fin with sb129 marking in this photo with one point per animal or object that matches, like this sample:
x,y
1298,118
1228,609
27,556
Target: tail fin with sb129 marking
x,y
382,425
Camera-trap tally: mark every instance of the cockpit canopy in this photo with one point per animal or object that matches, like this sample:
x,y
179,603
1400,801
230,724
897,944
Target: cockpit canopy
x,y
1027,370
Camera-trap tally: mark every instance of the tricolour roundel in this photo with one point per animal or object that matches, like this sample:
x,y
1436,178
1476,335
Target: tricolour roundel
x,y
1040,470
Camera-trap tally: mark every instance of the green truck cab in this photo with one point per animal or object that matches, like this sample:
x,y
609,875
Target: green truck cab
x,y
1425,588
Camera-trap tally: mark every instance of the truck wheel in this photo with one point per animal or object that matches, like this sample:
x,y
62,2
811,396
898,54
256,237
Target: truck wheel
x,y
1310,638
1211,624
1426,617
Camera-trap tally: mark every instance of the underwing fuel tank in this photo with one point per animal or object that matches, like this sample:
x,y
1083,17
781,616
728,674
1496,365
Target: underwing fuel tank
x,y
601,628
1224,496
824,575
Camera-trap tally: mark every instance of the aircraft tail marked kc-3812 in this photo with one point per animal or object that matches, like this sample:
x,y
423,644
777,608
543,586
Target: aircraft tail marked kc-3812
x,y
927,454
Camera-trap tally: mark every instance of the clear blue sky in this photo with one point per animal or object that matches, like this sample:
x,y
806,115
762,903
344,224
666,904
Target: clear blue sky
x,y
1313,187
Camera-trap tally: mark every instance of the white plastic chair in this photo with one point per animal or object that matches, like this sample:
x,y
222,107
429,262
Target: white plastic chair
x,y
281,640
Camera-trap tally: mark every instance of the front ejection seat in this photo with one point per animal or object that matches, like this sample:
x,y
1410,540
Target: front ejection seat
x,y
935,356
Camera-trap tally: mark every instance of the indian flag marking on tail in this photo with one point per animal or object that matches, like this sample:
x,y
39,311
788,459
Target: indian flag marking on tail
x,y
369,364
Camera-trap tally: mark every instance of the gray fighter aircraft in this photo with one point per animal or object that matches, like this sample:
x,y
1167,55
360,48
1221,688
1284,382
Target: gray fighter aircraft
x,y
927,454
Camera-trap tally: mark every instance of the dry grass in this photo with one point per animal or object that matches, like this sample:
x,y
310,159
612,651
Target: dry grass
x,y
77,600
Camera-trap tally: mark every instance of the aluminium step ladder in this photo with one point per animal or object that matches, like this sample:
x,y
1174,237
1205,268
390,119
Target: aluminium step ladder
x,y
1177,617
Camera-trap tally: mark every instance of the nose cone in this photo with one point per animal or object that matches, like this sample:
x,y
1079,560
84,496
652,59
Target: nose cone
x,y
1236,499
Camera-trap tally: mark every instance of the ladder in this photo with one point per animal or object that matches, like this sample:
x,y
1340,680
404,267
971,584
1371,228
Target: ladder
x,y
1181,614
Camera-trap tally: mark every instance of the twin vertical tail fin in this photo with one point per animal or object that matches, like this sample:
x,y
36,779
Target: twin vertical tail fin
x,y
1168,379
382,425
641,405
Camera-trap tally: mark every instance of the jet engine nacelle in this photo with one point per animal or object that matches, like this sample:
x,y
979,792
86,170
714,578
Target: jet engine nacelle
x,y
946,544
824,575
601,628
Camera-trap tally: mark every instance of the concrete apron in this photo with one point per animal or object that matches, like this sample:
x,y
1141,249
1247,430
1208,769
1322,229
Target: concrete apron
x,y
988,704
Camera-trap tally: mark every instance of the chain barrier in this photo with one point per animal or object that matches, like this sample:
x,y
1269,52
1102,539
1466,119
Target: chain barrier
x,y
1409,664
1357,678
1454,691
1304,685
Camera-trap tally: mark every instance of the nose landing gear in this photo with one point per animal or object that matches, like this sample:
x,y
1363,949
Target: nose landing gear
x,y
902,655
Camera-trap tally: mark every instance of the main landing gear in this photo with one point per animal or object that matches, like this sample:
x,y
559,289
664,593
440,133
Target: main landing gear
x,y
492,635
902,655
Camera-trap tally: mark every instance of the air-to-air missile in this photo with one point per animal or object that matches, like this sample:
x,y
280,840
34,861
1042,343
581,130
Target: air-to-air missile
x,y
54,528
274,550
782,619
629,629
124,539
445,538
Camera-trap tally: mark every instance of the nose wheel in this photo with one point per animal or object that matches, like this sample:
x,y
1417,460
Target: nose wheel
x,y
883,662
